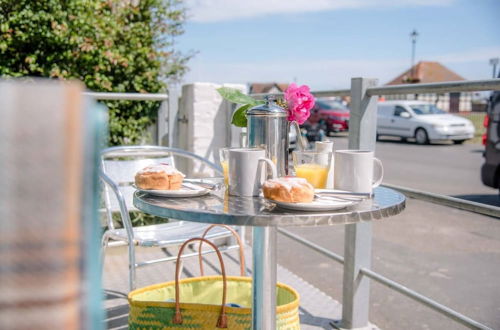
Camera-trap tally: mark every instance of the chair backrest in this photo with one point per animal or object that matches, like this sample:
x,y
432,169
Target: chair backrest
x,y
121,164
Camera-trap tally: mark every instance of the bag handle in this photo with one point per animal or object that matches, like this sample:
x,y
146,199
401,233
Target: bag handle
x,y
238,239
177,319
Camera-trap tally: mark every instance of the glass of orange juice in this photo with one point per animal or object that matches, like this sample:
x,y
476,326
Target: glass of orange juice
x,y
312,166
223,157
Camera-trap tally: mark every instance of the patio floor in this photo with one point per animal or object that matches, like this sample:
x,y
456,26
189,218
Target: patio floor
x,y
317,310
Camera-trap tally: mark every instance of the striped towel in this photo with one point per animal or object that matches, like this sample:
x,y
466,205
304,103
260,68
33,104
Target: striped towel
x,y
41,179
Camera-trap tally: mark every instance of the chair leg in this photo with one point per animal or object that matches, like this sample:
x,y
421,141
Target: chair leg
x,y
131,266
229,241
104,245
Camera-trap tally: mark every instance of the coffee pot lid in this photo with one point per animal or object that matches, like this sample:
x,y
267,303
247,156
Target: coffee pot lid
x,y
270,108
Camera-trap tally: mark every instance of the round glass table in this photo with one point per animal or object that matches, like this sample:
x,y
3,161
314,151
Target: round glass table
x,y
264,217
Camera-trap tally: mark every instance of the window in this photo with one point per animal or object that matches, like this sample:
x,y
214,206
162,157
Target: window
x,y
399,110
426,109
331,105
385,110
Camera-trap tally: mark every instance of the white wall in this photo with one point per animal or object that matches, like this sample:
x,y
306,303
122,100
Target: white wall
x,y
203,124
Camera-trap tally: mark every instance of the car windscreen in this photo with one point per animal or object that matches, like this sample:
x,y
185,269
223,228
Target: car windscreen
x,y
426,109
331,105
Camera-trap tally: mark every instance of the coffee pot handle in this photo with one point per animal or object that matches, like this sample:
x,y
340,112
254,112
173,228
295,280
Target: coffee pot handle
x,y
300,141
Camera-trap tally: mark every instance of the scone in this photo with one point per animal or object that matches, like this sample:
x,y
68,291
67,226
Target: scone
x,y
159,177
289,189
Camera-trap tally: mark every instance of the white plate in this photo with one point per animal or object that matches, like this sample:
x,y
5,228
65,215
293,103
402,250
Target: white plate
x,y
187,190
318,204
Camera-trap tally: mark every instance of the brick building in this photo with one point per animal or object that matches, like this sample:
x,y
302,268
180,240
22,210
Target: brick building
x,y
272,88
433,72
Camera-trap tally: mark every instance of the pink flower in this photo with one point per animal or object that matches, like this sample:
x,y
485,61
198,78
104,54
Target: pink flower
x,y
300,102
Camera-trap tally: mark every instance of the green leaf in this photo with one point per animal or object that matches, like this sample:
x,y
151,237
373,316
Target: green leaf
x,y
235,96
239,116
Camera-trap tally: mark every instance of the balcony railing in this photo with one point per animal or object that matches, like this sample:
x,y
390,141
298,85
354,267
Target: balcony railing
x,y
362,135
163,119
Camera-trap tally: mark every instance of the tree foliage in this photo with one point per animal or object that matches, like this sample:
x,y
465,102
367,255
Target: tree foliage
x,y
110,45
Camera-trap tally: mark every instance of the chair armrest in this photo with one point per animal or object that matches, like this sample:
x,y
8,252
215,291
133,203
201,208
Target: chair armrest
x,y
121,202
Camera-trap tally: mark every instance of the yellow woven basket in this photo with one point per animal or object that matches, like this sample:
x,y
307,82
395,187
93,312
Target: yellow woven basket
x,y
200,304
206,302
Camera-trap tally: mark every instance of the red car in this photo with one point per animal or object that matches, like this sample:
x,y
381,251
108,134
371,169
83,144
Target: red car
x,y
329,115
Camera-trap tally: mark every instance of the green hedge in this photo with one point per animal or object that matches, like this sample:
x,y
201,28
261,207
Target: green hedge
x,y
112,46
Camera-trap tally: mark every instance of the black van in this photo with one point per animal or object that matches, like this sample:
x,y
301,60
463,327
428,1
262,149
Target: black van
x,y
490,171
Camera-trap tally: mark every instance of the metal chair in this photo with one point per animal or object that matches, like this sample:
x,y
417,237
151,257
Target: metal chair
x,y
119,165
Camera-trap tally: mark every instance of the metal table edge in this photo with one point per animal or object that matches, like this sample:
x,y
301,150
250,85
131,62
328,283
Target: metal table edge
x,y
286,219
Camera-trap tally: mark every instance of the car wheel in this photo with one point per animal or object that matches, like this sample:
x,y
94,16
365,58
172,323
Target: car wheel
x,y
458,141
421,136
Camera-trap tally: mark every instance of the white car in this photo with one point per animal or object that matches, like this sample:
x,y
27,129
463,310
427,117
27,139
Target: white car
x,y
422,121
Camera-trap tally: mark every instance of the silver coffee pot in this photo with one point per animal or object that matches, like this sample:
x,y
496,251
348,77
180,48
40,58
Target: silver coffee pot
x,y
268,128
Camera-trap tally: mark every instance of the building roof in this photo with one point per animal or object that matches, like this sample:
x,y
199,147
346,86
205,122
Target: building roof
x,y
426,72
256,88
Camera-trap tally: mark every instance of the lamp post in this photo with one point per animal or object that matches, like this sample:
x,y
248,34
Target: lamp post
x,y
413,37
494,63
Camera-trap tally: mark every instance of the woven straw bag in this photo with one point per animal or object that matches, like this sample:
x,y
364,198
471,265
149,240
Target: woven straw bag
x,y
202,302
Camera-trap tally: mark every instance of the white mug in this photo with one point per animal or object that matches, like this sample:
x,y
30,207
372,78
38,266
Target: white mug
x,y
247,171
354,171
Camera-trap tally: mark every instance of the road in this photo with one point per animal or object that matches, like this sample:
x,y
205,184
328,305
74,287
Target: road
x,y
439,168
449,255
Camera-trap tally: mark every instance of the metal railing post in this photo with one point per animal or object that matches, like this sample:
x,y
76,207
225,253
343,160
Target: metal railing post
x,y
163,124
358,237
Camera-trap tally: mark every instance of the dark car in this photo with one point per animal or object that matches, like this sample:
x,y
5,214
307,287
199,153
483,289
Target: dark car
x,y
490,171
328,115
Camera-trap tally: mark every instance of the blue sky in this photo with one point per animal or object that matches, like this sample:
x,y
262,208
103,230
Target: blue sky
x,y
323,43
